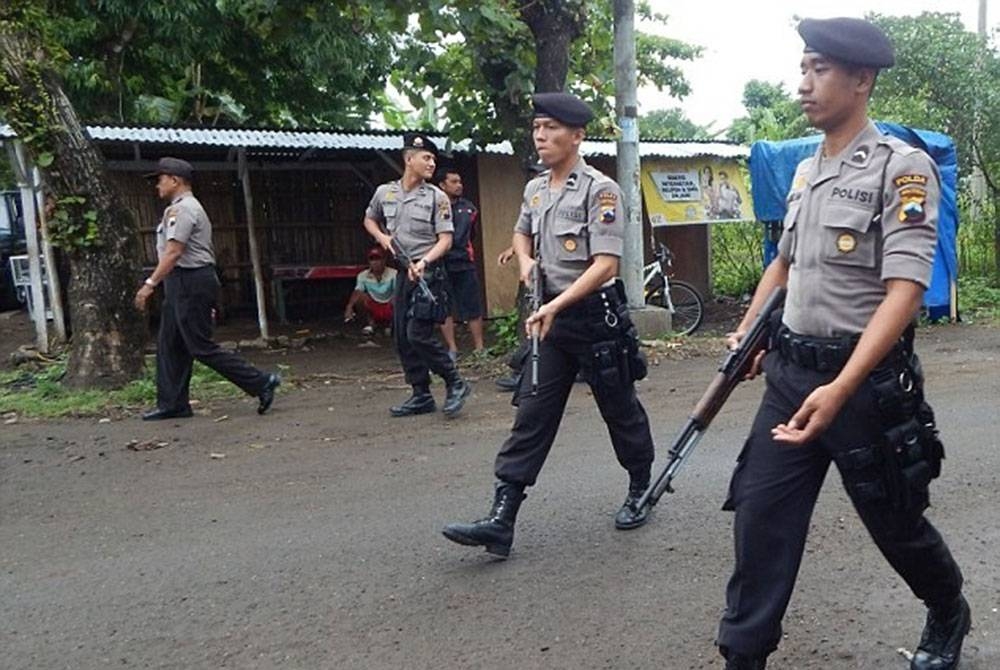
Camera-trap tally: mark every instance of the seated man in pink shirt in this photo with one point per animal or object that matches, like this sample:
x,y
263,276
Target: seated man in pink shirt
x,y
373,293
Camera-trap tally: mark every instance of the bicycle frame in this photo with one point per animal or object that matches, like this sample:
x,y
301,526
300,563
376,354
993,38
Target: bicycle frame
x,y
650,272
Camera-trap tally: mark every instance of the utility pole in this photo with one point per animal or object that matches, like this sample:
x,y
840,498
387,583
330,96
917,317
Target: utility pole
x,y
626,109
978,180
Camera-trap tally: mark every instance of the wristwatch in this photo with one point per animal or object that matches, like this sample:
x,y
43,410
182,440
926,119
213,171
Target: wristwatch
x,y
149,282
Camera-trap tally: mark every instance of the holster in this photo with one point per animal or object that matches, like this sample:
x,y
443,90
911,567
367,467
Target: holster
x,y
899,467
420,305
619,360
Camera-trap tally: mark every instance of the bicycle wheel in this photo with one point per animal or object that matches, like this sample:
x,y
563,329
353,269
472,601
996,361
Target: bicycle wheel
x,y
689,308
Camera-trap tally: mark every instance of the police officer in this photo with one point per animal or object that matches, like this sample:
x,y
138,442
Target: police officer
x,y
460,264
186,268
843,383
572,215
417,216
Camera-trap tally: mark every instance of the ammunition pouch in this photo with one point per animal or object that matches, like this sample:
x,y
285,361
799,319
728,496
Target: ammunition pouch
x,y
899,467
608,368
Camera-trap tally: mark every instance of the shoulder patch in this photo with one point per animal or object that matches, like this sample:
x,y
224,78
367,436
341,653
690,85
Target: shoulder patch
x,y
911,209
607,198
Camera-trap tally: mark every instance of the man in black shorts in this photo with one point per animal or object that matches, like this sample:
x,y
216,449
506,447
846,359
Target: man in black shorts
x,y
460,263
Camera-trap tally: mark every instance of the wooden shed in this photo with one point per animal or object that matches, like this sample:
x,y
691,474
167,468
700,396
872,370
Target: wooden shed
x,y
304,193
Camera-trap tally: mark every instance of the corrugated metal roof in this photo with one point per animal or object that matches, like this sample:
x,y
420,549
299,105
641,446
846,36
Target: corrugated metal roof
x,y
374,140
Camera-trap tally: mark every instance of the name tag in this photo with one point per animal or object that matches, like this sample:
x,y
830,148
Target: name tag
x,y
858,195
572,214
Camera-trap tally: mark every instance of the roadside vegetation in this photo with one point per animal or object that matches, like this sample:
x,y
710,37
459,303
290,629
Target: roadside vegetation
x,y
36,390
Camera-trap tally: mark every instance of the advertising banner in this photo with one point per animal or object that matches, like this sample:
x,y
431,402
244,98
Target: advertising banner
x,y
697,190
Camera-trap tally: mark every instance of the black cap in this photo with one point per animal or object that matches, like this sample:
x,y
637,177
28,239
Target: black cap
x,y
419,141
848,40
565,108
172,166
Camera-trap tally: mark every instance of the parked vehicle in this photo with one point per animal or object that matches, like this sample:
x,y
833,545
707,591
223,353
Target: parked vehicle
x,y
12,243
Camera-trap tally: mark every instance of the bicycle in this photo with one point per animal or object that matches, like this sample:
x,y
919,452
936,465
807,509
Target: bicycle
x,y
681,299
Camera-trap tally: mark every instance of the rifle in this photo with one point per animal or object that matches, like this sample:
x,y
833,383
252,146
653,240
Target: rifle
x,y
536,304
731,372
401,254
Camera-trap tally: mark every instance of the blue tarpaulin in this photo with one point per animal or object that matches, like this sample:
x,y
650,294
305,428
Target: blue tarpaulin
x,y
772,166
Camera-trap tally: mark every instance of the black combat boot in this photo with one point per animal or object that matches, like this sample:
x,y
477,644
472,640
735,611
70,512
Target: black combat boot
x,y
630,516
458,391
421,402
495,532
941,642
736,661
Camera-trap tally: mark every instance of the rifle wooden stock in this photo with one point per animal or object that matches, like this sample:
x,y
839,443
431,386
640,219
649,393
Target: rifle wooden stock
x,y
733,369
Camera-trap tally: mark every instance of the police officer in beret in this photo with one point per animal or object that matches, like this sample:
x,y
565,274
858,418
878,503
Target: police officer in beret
x,y
571,225
843,382
412,218
186,268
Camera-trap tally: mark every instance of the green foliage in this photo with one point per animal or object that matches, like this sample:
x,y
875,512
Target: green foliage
x,y
945,78
672,124
506,329
979,299
772,114
274,62
737,257
39,392
478,60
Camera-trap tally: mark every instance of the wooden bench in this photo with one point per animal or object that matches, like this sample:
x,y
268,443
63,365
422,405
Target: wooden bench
x,y
296,272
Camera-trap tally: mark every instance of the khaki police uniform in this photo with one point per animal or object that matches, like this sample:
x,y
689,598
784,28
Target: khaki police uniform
x,y
190,294
854,221
415,219
573,224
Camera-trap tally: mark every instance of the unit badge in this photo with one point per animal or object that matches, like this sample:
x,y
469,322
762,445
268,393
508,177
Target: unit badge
x,y
846,243
607,214
569,245
535,200
912,208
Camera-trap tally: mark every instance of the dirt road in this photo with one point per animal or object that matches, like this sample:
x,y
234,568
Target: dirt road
x,y
310,538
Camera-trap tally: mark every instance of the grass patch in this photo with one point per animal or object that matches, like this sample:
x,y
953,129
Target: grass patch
x,y
979,299
37,391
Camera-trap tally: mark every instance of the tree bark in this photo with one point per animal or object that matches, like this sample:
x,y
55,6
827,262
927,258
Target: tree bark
x,y
106,348
554,24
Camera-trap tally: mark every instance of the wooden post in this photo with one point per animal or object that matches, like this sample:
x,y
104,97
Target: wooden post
x,y
51,271
258,274
22,169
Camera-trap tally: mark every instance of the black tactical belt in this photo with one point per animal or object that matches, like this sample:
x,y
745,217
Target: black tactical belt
x,y
830,354
823,354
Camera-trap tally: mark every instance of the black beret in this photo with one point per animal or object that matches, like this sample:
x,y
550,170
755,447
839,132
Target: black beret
x,y
848,40
419,141
175,167
563,107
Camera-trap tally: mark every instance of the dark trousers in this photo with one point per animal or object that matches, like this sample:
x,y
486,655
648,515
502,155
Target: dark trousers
x,y
773,492
419,349
567,348
186,335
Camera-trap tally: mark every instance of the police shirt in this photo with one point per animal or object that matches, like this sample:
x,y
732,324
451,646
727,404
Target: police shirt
x,y
853,222
413,218
464,216
582,219
185,221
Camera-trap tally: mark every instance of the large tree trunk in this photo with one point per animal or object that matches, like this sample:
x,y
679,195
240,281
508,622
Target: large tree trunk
x,y
554,24
106,348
